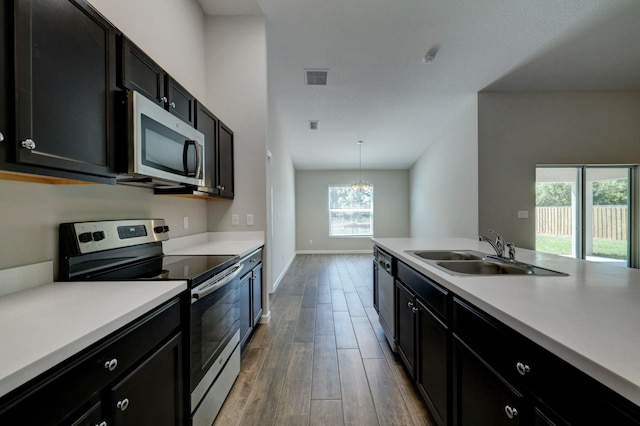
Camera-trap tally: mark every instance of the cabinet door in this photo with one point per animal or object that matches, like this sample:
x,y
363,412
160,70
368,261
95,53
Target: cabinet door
x,y
225,161
207,123
406,327
65,77
433,367
245,307
256,294
181,102
139,72
481,396
92,417
152,393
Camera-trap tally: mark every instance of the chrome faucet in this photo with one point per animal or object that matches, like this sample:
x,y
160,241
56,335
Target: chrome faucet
x,y
498,245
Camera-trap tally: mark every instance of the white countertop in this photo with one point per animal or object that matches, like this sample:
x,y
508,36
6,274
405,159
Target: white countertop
x,y
215,243
42,326
590,318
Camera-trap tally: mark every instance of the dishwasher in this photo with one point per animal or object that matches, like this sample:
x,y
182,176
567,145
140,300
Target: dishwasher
x,y
386,297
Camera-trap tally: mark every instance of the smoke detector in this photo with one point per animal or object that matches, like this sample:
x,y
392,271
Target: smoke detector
x,y
313,124
315,77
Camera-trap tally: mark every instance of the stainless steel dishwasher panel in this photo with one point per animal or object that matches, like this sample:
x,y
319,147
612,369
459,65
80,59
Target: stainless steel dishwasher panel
x,y
386,298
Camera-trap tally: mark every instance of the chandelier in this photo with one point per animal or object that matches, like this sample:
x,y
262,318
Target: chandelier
x,y
360,184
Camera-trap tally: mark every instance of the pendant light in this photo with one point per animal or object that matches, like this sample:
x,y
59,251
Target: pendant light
x,y
360,185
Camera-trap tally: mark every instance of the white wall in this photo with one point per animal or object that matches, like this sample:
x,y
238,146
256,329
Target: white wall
x,y
517,131
390,206
171,32
444,180
31,213
236,74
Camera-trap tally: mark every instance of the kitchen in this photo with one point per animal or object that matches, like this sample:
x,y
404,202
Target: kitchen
x,y
473,124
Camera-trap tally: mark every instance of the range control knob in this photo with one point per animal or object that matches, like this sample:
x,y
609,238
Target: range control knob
x,y
158,229
85,237
166,228
98,236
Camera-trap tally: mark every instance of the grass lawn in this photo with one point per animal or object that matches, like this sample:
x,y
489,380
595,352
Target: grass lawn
x,y
556,244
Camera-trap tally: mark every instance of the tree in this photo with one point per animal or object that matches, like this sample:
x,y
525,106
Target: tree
x,y
613,192
553,194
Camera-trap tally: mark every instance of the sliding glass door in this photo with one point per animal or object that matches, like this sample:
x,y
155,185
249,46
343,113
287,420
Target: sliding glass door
x,y
584,212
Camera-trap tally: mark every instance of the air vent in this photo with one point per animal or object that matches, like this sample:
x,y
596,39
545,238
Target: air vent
x,y
316,77
313,124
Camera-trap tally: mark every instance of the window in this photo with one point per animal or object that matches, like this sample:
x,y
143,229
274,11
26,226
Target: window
x,y
584,212
350,212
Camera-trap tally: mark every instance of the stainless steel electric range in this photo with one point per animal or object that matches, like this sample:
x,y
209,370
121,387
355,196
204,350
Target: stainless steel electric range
x,y
132,250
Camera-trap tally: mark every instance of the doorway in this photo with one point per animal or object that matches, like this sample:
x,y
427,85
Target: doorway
x,y
585,212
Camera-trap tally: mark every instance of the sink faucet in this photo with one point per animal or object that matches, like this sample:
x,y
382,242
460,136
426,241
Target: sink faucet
x,y
498,245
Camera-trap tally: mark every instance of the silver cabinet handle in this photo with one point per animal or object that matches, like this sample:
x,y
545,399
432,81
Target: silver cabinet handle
x,y
164,100
1,137
122,405
414,310
522,368
410,304
102,424
29,144
220,187
172,104
111,365
510,412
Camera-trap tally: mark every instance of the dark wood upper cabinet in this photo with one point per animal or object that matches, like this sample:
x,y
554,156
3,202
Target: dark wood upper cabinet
x,y
137,71
65,58
225,161
180,102
207,123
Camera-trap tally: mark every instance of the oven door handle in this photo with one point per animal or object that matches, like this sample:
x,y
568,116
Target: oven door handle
x,y
209,287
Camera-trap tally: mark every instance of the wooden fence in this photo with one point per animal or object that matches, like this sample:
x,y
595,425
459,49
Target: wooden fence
x,y
609,222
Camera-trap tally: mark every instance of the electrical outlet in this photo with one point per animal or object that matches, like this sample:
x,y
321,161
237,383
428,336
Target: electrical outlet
x,y
523,214
249,220
235,220
185,222
310,241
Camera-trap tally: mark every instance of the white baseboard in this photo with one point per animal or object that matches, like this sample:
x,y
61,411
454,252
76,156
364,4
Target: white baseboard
x,y
369,251
277,281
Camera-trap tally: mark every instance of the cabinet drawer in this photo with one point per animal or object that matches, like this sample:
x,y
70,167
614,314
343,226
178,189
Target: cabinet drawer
x,y
251,260
59,392
487,337
434,296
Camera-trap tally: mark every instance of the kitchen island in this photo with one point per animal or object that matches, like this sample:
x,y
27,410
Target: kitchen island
x,y
589,318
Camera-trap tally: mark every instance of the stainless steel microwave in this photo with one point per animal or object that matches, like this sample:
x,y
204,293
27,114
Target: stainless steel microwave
x,y
162,149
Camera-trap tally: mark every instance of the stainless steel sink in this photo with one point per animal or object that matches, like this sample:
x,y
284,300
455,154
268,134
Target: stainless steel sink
x,y
448,254
483,267
471,262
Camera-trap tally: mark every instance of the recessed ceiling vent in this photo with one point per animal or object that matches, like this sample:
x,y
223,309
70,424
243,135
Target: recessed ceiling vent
x,y
313,124
316,77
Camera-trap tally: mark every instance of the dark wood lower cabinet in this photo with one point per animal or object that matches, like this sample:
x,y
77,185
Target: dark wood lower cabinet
x,y
133,377
423,346
433,362
472,369
481,397
152,393
250,296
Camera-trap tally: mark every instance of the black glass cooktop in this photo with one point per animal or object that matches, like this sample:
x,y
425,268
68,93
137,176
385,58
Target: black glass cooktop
x,y
194,269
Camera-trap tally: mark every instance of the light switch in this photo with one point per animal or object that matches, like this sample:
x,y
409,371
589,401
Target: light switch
x,y
523,214
185,222
235,220
249,220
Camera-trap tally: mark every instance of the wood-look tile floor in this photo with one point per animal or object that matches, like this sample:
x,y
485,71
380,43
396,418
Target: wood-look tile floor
x,y
323,358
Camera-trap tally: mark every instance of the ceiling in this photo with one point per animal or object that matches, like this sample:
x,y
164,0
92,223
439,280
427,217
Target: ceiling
x,y
380,90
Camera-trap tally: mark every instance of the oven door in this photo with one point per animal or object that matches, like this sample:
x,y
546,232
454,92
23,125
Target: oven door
x,y
215,318
164,146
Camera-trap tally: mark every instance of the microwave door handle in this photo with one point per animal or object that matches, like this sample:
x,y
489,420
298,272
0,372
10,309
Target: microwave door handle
x,y
185,158
199,159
